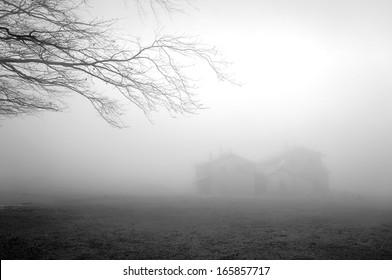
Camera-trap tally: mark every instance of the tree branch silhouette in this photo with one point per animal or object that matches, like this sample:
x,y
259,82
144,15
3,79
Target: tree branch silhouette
x,y
48,49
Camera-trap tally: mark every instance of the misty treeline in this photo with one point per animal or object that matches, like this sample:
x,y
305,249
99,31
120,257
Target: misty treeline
x,y
51,48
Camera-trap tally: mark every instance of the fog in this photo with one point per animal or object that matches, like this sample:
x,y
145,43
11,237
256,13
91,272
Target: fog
x,y
315,74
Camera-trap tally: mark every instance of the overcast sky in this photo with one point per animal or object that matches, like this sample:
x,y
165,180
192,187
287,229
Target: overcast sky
x,y
313,73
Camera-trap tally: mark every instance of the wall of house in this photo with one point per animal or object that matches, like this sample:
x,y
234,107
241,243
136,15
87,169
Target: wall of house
x,y
232,184
232,177
204,186
283,181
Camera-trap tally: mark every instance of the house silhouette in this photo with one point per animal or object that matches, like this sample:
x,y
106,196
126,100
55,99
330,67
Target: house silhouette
x,y
295,170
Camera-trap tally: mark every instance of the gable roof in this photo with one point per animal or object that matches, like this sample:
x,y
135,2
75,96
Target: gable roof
x,y
301,151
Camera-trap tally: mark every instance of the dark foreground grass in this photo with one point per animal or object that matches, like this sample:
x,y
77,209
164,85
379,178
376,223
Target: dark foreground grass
x,y
196,228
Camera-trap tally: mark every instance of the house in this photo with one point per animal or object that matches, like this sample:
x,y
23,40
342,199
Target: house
x,y
294,170
227,174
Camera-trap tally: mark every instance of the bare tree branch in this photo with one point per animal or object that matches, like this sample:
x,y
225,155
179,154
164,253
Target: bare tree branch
x,y
47,49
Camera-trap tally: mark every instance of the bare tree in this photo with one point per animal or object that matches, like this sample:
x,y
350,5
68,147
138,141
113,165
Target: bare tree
x,y
48,49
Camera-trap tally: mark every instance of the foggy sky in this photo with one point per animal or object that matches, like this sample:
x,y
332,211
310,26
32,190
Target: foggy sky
x,y
313,73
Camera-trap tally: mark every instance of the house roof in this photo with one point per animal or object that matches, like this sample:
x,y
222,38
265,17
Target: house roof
x,y
292,151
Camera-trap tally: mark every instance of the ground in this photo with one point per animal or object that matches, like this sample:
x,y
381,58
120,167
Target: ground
x,y
185,227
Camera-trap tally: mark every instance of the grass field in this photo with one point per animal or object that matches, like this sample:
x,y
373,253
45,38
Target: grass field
x,y
196,228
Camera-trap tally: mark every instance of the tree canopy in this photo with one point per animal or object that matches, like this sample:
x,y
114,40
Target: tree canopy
x,y
50,48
